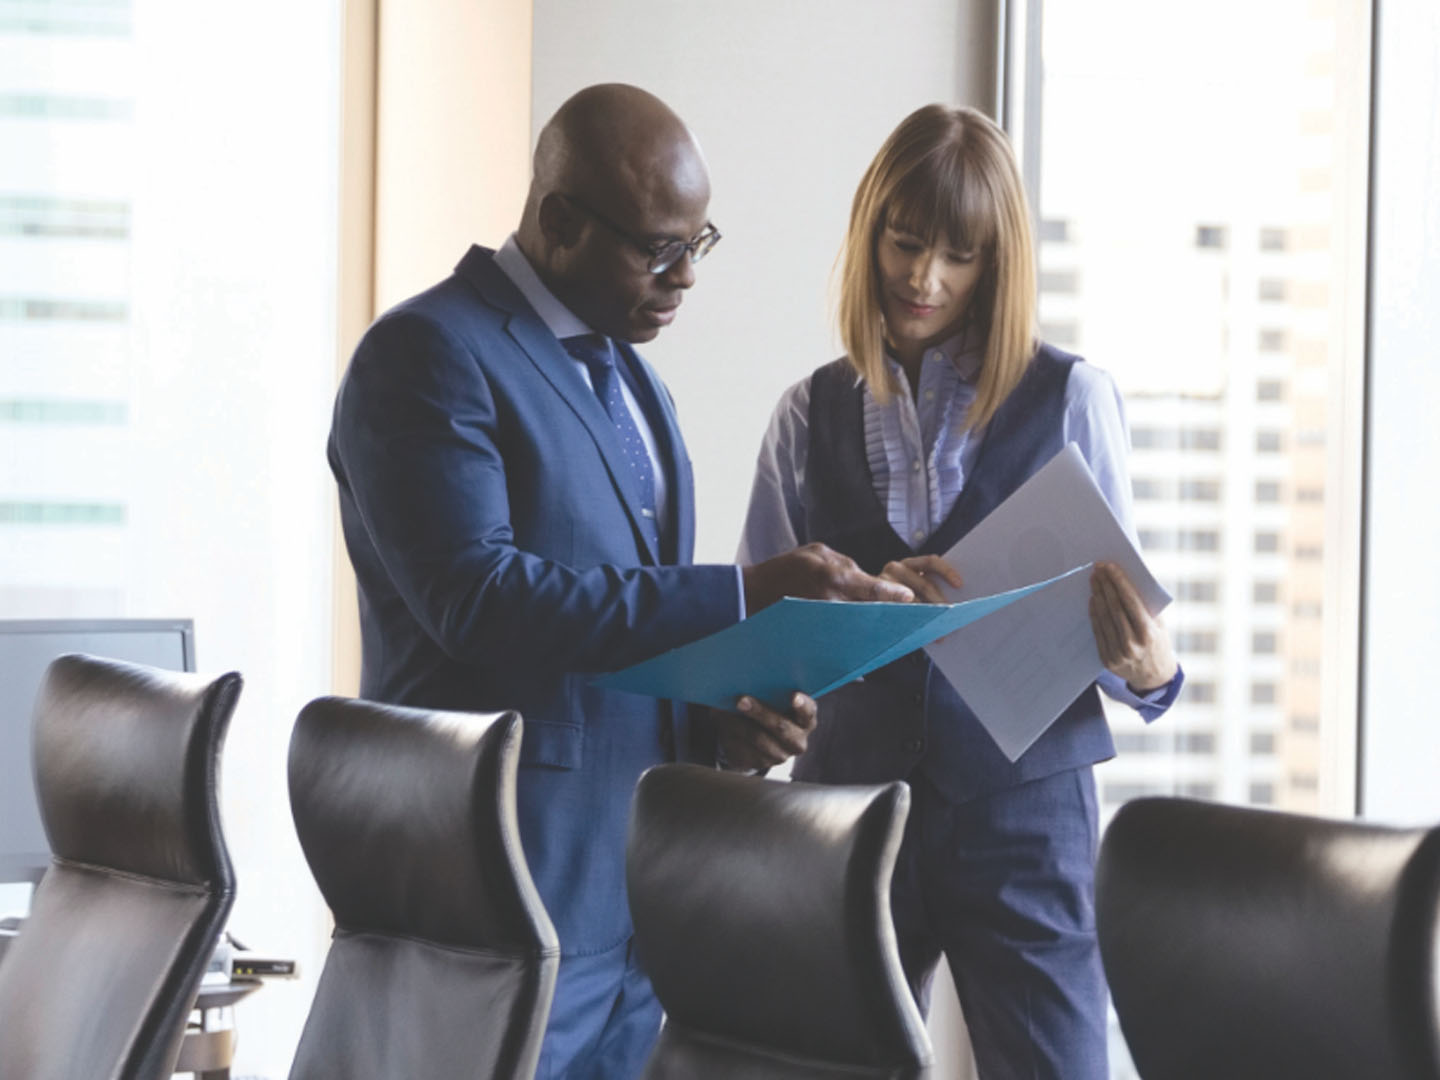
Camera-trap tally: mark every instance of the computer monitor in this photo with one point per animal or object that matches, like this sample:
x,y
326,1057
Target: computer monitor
x,y
26,649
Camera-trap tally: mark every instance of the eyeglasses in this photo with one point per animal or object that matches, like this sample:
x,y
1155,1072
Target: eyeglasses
x,y
660,255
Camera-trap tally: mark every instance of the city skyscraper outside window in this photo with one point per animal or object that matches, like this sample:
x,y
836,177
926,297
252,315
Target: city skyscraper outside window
x,y
1202,208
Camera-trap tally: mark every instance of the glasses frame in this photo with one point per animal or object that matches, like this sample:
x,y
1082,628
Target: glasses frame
x,y
660,255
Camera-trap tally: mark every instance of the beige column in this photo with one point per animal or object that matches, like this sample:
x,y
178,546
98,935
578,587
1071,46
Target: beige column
x,y
435,156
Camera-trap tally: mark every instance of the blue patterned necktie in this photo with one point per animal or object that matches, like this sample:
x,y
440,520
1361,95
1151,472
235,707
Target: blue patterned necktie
x,y
597,354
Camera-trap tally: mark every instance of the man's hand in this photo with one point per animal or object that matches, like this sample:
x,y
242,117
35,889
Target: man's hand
x,y
1132,643
815,572
921,574
758,737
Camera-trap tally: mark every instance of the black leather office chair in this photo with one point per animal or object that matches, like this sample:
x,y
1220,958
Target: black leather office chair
x,y
1246,943
762,915
443,962
99,982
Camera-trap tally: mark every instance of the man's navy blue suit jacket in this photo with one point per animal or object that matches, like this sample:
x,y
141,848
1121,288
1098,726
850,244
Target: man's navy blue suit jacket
x,y
491,518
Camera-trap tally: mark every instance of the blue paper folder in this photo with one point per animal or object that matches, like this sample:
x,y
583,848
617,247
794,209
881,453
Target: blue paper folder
x,y
808,645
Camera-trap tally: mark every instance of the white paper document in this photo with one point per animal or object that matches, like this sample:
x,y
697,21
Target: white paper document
x,y
1020,667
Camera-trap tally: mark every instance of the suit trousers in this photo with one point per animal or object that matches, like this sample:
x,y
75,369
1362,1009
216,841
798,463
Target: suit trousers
x,y
1003,885
604,1019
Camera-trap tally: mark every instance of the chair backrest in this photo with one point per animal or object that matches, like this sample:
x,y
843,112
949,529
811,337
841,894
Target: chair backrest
x,y
443,961
100,980
1250,943
762,916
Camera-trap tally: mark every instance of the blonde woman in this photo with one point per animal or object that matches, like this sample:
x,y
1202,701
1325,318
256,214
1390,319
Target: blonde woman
x,y
944,404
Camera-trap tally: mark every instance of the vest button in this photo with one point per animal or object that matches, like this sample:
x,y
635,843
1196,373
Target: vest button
x,y
918,699
914,746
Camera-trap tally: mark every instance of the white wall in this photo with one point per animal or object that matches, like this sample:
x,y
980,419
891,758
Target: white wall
x,y
1401,742
790,99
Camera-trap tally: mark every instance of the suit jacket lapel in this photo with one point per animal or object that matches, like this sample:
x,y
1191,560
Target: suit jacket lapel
x,y
556,367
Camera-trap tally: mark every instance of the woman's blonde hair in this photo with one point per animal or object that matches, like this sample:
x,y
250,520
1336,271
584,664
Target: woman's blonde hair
x,y
947,176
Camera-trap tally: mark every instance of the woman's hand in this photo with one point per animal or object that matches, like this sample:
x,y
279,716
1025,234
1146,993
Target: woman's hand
x,y
1132,643
921,574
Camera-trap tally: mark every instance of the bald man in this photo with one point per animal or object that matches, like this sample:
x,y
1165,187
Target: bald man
x,y
517,502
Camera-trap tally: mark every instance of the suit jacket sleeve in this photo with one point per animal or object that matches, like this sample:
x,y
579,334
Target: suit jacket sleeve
x,y
421,446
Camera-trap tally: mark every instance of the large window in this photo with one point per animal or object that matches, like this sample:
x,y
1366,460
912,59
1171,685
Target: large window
x,y
167,329
1200,204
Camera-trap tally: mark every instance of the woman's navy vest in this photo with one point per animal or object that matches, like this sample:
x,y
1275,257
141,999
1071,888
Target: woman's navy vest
x,y
907,715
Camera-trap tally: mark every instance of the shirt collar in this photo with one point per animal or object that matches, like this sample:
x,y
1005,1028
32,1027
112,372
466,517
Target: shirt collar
x,y
964,350
561,321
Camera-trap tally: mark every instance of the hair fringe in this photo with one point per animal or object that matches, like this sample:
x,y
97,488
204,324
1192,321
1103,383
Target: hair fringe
x,y
953,169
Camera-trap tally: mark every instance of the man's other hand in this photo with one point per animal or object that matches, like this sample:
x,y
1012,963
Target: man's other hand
x,y
758,737
815,572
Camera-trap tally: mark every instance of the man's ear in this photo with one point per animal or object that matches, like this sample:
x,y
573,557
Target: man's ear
x,y
559,223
